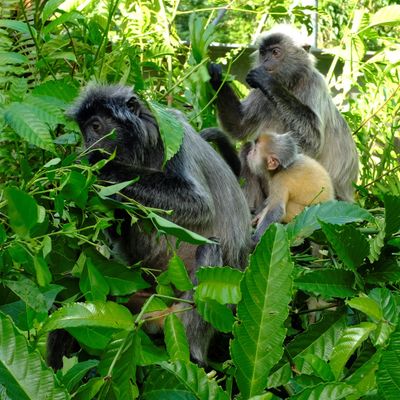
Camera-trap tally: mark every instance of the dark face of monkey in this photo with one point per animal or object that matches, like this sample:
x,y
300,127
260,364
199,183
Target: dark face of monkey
x,y
114,119
283,59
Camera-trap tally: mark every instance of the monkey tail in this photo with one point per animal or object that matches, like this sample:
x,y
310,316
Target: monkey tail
x,y
225,147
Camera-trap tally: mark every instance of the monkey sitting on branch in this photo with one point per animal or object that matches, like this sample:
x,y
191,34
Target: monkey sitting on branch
x,y
289,94
196,184
294,179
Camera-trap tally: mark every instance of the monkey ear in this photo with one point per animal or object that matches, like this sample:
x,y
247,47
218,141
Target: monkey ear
x,y
307,47
272,162
133,104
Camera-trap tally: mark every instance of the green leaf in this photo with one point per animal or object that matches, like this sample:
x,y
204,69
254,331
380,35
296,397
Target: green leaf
x,y
219,283
392,207
60,89
106,191
22,371
118,364
43,275
181,380
318,366
352,338
218,315
74,188
18,26
76,373
332,212
9,57
388,374
384,272
28,292
23,211
175,339
266,292
327,282
389,15
377,242
27,123
92,283
72,16
363,379
350,245
336,390
368,306
95,314
319,340
49,8
178,275
171,128
90,389
165,226
148,353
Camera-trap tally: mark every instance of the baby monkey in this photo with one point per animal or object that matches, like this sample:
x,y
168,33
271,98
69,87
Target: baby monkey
x,y
294,179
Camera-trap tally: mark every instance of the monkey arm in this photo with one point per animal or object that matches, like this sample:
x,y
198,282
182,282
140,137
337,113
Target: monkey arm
x,y
296,116
191,202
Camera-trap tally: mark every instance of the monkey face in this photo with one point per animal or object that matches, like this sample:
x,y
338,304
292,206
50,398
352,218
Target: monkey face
x,y
112,118
271,53
255,159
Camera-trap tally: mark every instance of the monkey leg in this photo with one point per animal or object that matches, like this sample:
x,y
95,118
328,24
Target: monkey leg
x,y
199,332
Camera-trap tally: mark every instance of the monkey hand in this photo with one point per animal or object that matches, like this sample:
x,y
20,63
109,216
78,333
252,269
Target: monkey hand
x,y
215,71
259,78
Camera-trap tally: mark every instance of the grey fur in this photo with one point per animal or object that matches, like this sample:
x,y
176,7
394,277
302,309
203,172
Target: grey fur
x,y
296,98
196,183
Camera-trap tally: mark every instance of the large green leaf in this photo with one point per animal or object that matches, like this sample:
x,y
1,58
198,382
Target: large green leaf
x,y
352,338
175,339
388,374
266,292
119,366
319,340
219,283
96,314
367,306
325,391
389,15
171,128
148,353
181,380
23,211
333,212
9,57
350,245
327,282
92,283
218,315
363,379
22,371
27,123
76,373
384,271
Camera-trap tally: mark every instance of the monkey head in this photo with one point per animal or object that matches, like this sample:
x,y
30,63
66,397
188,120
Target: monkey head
x,y
112,118
284,56
272,152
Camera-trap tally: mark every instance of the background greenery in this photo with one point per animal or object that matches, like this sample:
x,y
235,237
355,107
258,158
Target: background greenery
x,y
321,328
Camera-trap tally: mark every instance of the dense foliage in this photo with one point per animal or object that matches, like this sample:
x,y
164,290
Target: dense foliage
x,y
303,327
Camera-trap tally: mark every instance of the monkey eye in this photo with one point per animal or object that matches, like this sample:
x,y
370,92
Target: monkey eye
x,y
133,105
96,126
276,52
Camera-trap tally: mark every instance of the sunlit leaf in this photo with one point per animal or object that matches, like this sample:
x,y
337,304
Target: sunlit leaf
x,y
175,339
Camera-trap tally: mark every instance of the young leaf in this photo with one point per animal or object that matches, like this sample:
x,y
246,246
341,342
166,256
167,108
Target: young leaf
x,y
319,339
92,283
106,191
352,338
333,212
266,292
349,243
219,283
389,15
118,364
181,380
388,374
168,227
22,210
178,275
22,371
334,390
43,275
175,339
327,282
368,306
171,128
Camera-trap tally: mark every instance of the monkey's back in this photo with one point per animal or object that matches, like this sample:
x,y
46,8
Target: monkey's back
x,y
307,182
